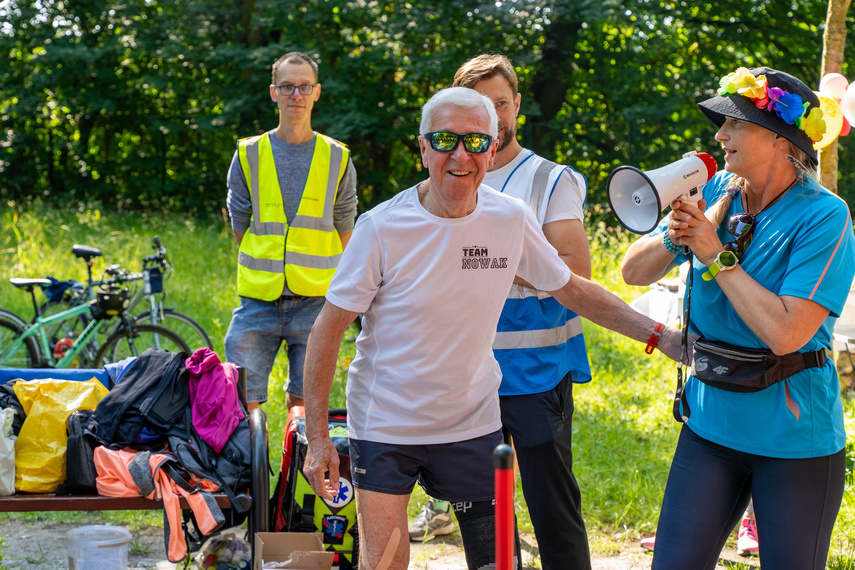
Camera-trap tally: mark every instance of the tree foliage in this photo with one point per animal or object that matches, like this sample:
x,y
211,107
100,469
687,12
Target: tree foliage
x,y
140,102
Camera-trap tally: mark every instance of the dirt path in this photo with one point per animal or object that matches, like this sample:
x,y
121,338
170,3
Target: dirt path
x,y
446,553
42,546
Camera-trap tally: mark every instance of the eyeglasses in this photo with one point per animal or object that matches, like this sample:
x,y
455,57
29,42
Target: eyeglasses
x,y
446,141
740,226
288,90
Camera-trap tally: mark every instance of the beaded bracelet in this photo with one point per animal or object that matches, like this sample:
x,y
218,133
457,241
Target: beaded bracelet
x,y
670,245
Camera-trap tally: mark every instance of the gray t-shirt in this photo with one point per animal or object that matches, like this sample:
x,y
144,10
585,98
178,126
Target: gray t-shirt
x,y
292,166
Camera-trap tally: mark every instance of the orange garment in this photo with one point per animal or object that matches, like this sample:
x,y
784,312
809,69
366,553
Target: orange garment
x,y
207,513
157,476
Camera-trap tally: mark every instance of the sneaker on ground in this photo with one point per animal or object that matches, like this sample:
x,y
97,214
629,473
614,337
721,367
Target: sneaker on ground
x,y
746,541
431,523
648,543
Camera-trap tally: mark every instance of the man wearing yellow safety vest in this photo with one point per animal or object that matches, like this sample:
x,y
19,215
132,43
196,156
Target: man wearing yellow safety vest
x,y
292,202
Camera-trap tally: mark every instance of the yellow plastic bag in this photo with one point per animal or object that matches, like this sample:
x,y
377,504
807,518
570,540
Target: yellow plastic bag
x,y
41,445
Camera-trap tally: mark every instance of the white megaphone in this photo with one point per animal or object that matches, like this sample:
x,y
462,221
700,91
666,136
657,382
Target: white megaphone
x,y
637,198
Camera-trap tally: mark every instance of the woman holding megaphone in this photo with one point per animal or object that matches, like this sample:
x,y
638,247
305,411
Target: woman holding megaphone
x,y
773,258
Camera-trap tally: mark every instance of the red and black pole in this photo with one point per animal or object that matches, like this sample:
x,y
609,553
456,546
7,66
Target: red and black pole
x,y
503,462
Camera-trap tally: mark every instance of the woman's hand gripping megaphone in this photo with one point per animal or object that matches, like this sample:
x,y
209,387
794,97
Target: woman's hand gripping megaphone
x,y
638,197
688,226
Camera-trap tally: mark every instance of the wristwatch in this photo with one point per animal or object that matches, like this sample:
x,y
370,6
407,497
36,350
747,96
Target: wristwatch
x,y
724,261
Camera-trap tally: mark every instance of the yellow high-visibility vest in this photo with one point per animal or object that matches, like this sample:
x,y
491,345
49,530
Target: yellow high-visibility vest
x,y
304,253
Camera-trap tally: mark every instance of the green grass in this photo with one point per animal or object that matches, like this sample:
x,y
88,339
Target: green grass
x,y
623,432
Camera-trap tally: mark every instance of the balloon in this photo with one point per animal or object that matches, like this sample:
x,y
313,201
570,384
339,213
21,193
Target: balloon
x,y
845,130
833,120
847,105
834,85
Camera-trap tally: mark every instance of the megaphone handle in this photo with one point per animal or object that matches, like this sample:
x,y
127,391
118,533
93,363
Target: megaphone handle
x,y
693,196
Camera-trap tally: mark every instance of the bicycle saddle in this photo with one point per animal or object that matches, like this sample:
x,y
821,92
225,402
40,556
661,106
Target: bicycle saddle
x,y
86,252
28,283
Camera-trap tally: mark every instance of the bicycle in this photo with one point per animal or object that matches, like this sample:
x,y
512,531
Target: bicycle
x,y
28,345
155,269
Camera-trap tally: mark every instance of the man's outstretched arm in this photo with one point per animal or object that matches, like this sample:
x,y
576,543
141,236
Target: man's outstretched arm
x,y
319,372
606,309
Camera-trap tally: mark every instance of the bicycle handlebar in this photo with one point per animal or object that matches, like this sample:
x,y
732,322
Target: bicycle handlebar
x,y
121,277
159,257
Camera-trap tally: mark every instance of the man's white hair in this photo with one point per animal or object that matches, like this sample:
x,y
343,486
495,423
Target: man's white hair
x,y
460,97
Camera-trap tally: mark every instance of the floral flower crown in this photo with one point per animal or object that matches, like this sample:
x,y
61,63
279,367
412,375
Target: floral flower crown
x,y
789,107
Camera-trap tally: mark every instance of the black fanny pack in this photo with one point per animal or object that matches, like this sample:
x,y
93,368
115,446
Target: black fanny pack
x,y
738,369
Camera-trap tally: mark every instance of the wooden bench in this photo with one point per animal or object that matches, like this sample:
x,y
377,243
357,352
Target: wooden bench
x,y
28,502
259,487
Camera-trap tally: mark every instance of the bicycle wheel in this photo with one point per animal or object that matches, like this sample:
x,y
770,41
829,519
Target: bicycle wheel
x,y
27,355
13,317
124,343
189,330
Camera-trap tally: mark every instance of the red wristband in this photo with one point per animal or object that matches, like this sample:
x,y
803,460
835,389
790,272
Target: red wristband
x,y
654,338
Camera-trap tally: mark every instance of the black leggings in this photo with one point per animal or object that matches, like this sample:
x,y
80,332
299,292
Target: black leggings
x,y
795,503
478,530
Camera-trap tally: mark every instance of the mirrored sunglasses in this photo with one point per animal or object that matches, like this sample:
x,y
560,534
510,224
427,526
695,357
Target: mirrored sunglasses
x,y
740,226
446,141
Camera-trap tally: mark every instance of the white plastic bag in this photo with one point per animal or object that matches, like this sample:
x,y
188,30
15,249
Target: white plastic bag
x,y
7,452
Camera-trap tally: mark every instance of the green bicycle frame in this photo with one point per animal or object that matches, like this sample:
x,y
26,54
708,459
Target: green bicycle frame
x,y
38,329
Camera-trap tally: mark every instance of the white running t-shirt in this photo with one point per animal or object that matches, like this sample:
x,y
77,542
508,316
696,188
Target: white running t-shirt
x,y
431,290
564,193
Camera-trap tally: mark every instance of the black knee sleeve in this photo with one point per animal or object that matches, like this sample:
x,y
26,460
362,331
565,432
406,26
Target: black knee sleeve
x,y
477,521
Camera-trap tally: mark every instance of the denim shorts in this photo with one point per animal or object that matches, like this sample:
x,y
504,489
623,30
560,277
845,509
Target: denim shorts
x,y
459,471
256,333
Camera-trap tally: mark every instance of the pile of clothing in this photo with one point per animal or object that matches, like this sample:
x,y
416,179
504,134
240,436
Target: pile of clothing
x,y
174,427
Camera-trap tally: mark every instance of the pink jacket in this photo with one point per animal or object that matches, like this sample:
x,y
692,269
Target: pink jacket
x,y
213,397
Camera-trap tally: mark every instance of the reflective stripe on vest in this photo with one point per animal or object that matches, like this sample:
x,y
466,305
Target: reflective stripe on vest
x,y
550,335
538,341
304,254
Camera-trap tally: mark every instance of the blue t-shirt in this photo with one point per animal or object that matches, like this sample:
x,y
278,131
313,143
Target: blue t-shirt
x,y
803,246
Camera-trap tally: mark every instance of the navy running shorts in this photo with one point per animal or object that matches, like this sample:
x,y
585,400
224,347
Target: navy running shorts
x,y
459,471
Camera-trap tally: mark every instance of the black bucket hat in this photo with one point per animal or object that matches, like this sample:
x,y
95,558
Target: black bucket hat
x,y
745,108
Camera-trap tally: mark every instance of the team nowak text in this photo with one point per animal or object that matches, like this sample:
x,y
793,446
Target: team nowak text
x,y
478,258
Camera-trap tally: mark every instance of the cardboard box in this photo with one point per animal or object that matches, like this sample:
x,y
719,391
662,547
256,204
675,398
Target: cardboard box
x,y
307,547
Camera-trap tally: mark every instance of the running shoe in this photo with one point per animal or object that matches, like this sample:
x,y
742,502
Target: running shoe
x,y
431,523
648,543
746,541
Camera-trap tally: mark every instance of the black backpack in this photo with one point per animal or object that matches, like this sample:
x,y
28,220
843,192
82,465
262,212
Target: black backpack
x,y
8,399
80,473
231,469
153,393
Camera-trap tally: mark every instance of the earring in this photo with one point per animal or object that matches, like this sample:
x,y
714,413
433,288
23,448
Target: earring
x,y
801,169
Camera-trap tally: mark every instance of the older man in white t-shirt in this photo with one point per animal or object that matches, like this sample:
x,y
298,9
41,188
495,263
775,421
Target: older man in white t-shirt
x,y
430,269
